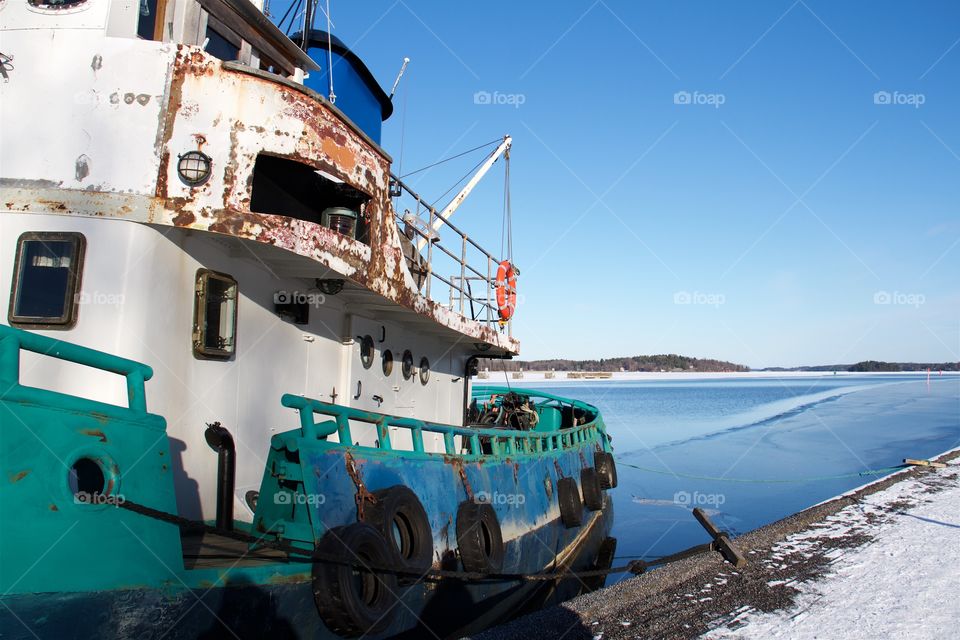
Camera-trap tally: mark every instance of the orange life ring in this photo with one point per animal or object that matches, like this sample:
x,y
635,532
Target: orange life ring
x,y
506,290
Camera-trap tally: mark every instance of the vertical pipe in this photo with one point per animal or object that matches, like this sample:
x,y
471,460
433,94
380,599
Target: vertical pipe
x,y
221,441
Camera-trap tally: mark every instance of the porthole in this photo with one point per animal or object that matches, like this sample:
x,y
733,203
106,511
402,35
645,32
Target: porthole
x,y
366,351
407,365
92,480
424,370
387,362
86,480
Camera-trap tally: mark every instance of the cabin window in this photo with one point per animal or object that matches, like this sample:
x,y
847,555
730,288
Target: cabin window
x,y
406,365
290,188
150,22
222,42
215,316
46,280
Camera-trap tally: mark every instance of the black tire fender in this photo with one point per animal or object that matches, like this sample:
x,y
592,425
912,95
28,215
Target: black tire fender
x,y
402,521
606,468
590,486
571,507
479,538
354,604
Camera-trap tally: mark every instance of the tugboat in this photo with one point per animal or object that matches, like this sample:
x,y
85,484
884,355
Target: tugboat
x,y
236,378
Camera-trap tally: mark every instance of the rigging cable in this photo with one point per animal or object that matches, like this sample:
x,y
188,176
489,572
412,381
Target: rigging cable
x,y
459,155
295,8
403,137
457,183
507,229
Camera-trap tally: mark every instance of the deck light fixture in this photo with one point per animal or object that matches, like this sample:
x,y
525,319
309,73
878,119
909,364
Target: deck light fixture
x,y
194,168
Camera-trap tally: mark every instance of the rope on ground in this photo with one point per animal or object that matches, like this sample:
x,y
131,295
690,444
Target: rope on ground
x,y
868,472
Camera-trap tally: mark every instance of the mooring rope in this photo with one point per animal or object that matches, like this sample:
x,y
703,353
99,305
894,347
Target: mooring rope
x,y
689,476
298,554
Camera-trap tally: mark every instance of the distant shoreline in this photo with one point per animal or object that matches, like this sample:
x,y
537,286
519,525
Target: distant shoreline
x,y
561,377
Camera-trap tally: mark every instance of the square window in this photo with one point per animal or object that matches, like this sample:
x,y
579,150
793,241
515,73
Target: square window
x,y
46,280
215,316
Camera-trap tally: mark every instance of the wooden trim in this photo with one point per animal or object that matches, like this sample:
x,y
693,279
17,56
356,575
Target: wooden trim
x,y
241,17
228,34
161,20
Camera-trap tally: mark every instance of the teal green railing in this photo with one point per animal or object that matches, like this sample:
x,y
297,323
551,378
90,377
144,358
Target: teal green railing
x,y
502,442
12,341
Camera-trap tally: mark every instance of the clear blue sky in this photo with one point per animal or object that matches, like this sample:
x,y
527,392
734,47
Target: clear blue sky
x,y
784,214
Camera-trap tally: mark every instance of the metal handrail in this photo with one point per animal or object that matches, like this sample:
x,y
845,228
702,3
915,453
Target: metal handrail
x,y
12,341
436,213
465,266
502,441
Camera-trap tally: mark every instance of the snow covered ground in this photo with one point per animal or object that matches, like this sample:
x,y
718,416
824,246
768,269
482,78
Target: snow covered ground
x,y
897,578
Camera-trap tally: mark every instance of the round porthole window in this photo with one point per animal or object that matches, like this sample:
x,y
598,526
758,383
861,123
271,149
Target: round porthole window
x,y
407,365
387,362
366,351
424,370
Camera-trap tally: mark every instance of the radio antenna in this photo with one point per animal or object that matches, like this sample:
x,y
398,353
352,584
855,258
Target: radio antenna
x,y
403,68
333,96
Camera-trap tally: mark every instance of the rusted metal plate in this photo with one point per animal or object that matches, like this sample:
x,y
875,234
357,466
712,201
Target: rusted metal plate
x,y
233,117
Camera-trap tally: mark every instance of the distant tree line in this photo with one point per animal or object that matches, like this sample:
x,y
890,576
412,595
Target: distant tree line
x,y
662,362
876,365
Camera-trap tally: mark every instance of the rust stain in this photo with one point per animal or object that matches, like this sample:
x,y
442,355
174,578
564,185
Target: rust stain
x,y
17,477
340,155
298,578
53,204
54,507
458,464
184,219
96,433
362,495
